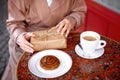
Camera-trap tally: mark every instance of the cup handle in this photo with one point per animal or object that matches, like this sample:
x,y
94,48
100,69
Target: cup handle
x,y
101,44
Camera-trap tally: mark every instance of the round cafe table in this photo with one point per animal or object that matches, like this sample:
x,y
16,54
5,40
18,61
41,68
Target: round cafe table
x,y
106,67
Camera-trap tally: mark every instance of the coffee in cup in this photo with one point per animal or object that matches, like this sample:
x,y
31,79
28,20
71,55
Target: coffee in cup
x,y
90,41
89,38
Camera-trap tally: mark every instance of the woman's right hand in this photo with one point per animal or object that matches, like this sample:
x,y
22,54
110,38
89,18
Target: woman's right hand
x,y
23,41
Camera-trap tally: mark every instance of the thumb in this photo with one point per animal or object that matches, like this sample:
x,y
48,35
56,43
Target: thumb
x,y
29,35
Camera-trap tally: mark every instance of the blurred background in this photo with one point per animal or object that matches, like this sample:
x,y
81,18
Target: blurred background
x,y
103,16
3,36
111,4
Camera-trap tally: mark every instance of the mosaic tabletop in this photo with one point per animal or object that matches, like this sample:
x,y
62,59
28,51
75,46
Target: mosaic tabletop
x,y
106,67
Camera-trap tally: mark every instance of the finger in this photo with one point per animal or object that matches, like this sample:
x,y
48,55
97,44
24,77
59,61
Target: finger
x,y
27,48
64,29
58,25
24,41
24,44
29,35
27,43
61,25
67,32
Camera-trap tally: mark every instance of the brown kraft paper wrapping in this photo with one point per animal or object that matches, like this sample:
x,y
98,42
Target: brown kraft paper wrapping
x,y
48,39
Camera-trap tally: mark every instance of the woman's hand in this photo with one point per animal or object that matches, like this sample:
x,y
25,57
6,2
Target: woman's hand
x,y
65,26
23,41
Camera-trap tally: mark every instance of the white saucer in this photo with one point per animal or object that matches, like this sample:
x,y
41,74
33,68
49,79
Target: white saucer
x,y
96,54
65,64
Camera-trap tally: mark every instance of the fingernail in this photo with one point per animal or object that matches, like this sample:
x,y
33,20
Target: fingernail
x,y
61,33
58,31
66,35
31,51
31,45
58,24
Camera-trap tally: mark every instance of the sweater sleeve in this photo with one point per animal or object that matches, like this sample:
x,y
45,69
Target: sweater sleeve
x,y
16,18
78,11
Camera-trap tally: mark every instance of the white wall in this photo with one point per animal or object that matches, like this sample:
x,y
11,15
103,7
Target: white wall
x,y
111,4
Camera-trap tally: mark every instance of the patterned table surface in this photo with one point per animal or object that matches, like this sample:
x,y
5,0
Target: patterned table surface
x,y
106,67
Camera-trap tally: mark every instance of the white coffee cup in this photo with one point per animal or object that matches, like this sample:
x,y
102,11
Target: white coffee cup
x,y
90,41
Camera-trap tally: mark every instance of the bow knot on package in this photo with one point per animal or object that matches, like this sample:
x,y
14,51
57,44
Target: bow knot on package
x,y
48,39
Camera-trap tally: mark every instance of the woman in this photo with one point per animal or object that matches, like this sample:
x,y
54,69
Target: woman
x,y
26,16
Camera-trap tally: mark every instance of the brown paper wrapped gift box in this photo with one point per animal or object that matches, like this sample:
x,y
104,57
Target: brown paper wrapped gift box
x,y
48,39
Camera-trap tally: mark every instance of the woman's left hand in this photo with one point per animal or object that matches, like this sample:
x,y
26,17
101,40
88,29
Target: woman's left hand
x,y
65,26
